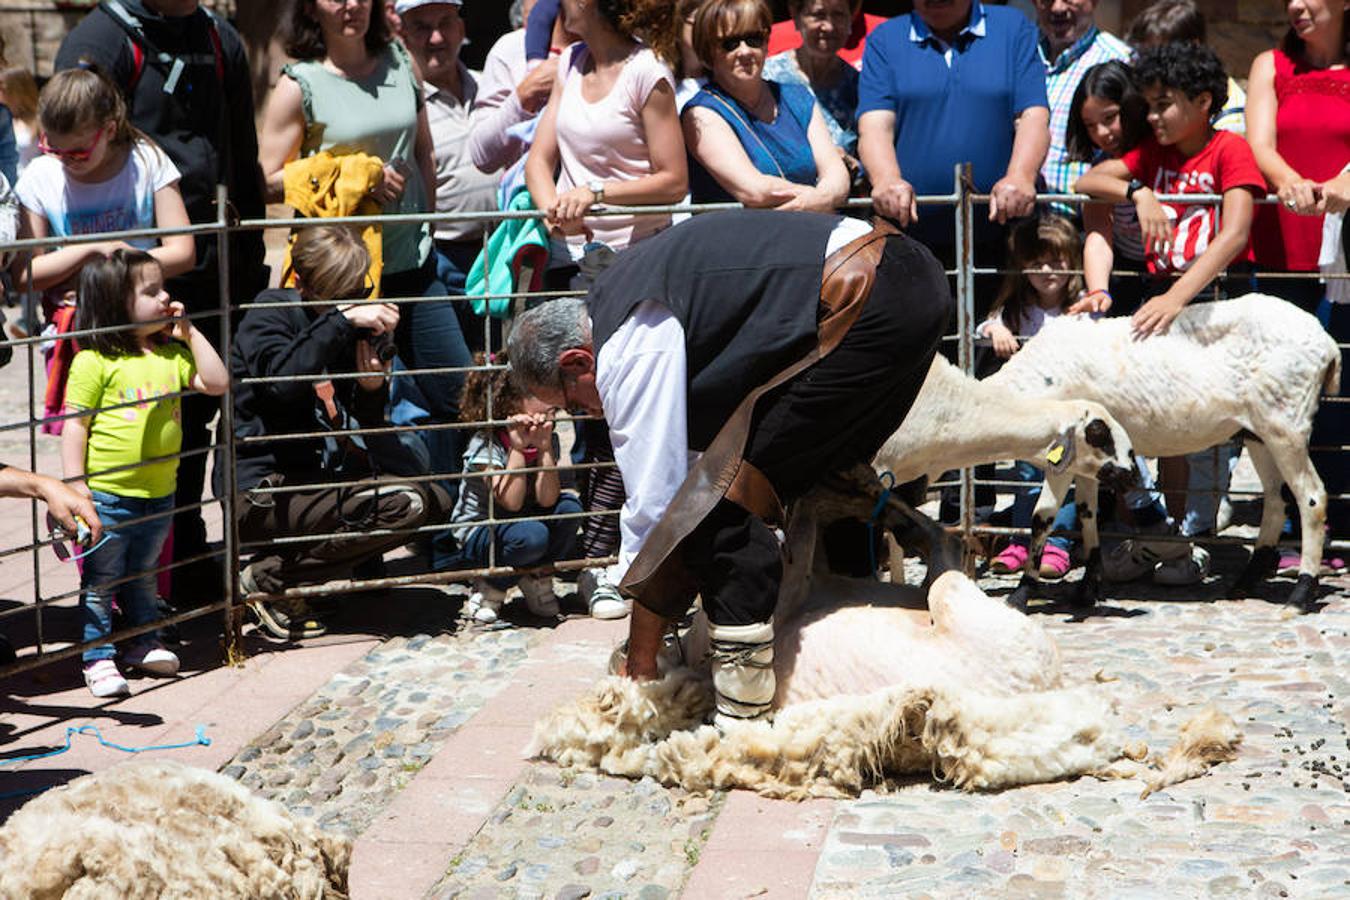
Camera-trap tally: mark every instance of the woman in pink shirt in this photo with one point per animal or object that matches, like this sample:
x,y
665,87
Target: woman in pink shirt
x,y
610,132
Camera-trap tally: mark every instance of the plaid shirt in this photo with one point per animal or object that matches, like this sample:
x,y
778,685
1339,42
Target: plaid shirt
x,y
1061,80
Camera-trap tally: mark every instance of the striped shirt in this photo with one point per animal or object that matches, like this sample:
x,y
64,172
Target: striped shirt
x,y
1061,81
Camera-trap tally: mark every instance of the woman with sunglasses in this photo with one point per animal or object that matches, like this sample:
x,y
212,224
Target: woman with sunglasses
x,y
98,174
755,141
824,26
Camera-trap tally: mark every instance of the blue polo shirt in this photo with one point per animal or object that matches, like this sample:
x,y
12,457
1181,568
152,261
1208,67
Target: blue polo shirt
x,y
953,104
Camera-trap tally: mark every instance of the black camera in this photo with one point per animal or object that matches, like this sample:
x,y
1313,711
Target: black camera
x,y
382,344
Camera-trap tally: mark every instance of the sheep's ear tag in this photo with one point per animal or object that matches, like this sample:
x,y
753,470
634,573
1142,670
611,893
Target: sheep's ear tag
x,y
1060,454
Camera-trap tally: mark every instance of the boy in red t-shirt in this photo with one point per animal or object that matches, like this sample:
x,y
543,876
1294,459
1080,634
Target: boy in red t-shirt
x,y
1185,86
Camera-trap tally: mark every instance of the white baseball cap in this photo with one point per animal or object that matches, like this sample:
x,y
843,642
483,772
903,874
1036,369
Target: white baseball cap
x,y
403,6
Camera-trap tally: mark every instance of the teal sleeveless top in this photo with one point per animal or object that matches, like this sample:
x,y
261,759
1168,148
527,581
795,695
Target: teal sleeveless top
x,y
375,115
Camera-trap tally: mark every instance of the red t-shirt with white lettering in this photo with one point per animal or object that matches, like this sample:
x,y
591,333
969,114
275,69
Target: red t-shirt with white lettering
x,y
1225,163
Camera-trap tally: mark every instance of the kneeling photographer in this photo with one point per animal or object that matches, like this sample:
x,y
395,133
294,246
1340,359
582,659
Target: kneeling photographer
x,y
336,332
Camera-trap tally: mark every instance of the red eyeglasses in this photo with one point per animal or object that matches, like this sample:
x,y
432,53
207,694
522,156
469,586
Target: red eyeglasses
x,y
79,154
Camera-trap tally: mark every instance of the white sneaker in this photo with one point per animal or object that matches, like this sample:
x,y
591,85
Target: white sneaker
x,y
485,602
103,679
606,602
1189,569
153,659
539,597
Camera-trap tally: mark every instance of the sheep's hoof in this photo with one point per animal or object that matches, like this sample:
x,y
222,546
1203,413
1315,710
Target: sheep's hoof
x,y
1304,594
1088,592
1261,566
1020,595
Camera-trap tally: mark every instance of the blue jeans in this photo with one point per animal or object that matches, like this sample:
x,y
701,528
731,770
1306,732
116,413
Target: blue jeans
x,y
1024,504
1209,474
128,550
524,543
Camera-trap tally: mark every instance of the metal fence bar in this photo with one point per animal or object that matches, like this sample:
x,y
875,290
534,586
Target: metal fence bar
x,y
963,199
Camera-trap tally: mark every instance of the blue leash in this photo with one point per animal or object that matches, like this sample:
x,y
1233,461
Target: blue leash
x,y
887,480
199,740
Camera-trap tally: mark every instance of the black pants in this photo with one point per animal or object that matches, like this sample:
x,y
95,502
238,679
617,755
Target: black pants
x,y
831,416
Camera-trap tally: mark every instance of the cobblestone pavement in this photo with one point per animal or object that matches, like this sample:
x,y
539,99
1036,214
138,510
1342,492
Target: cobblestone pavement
x,y
1273,823
343,755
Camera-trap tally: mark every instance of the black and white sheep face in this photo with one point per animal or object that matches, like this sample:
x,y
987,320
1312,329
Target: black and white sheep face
x,y
1102,449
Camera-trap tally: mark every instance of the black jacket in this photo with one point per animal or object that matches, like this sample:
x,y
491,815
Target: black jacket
x,y
205,126
293,340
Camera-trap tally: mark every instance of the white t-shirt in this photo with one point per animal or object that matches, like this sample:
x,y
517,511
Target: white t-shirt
x,y
606,140
121,203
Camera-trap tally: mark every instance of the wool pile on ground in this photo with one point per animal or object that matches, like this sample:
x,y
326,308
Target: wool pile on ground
x,y
160,829
981,705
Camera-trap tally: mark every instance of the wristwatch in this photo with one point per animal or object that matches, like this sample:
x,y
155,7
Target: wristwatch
x,y
598,189
1135,184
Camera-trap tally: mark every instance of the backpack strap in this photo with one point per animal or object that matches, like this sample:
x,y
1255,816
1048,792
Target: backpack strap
x,y
143,50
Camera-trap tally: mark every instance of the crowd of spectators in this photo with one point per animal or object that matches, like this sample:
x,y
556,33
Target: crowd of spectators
x,y
594,103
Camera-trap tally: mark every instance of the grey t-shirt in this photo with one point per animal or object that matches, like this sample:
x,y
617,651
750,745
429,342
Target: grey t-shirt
x,y
484,453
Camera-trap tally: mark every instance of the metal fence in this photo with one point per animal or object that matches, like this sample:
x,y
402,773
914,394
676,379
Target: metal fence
x,y
46,647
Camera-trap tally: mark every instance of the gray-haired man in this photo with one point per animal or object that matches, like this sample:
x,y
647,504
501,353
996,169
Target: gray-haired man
x,y
738,358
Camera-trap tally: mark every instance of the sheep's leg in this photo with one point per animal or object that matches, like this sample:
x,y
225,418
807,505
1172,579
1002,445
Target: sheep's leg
x,y
803,533
1264,556
1089,589
1310,496
1053,492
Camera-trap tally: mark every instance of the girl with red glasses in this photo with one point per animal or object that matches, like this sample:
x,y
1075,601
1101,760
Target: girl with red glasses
x,y
97,175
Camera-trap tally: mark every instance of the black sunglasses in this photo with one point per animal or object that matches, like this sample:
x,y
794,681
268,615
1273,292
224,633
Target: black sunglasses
x,y
755,41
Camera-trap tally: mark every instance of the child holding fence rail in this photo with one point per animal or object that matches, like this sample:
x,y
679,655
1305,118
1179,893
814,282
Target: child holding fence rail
x,y
1187,245
123,450
97,174
525,442
1043,256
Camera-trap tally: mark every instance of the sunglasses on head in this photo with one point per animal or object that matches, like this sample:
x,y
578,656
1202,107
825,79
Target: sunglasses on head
x,y
754,40
78,154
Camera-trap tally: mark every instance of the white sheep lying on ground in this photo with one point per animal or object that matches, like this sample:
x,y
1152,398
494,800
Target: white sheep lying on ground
x,y
162,829
1254,366
868,688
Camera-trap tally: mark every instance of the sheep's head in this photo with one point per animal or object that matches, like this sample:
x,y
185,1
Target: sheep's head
x,y
1097,447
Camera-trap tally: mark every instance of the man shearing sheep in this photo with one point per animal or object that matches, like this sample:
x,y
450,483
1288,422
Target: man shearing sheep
x,y
738,358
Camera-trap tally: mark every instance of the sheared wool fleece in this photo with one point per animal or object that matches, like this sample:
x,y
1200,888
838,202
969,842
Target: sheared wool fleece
x,y
164,830
973,697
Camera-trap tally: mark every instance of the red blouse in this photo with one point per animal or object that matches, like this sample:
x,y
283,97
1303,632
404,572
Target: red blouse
x,y
1312,134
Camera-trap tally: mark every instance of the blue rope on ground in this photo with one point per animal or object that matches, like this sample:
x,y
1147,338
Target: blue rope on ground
x,y
199,740
887,480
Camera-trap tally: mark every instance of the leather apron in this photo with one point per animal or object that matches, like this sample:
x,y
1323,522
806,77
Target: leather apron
x,y
658,570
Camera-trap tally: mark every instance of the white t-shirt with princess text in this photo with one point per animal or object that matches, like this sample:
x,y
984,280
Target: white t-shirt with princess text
x,y
121,203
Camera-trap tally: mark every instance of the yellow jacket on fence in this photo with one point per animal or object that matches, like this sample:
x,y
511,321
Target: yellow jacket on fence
x,y
326,186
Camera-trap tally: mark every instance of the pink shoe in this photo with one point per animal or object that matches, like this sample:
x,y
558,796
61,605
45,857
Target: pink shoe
x,y
1289,563
1333,565
1012,560
1055,563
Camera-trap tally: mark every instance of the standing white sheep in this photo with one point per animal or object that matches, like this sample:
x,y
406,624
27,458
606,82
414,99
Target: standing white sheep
x,y
1253,366
958,421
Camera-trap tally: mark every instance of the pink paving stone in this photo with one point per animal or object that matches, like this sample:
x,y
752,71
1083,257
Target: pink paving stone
x,y
236,705
751,822
477,765
480,751
762,874
386,871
